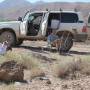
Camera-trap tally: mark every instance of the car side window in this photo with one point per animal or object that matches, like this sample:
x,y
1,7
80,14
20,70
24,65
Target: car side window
x,y
26,17
69,18
89,19
35,18
31,17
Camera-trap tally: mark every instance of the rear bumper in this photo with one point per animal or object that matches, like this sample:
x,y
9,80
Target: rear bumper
x,y
80,37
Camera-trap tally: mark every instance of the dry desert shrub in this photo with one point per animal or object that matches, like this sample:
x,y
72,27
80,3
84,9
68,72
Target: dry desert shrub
x,y
64,69
26,59
85,67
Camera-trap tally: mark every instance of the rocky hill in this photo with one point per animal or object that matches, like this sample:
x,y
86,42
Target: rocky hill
x,y
12,9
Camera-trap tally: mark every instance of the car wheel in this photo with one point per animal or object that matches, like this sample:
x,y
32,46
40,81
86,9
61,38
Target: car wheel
x,y
19,42
9,37
66,45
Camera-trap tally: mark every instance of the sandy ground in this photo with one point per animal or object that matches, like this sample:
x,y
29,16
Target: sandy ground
x,y
39,50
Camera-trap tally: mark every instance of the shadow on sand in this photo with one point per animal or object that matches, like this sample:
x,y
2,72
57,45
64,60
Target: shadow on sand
x,y
53,50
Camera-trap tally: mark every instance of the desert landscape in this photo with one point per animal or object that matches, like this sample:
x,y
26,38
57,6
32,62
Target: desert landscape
x,y
48,70
34,66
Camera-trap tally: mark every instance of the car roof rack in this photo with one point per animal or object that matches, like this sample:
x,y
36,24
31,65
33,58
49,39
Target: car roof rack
x,y
76,10
47,9
60,9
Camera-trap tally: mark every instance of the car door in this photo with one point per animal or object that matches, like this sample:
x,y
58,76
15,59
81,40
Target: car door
x,y
34,23
44,24
23,26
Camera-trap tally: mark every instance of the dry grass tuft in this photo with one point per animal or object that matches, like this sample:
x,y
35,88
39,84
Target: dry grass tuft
x,y
7,87
36,73
70,68
26,59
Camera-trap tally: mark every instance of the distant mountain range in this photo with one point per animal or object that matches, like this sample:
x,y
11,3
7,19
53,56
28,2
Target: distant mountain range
x,y
13,3
12,9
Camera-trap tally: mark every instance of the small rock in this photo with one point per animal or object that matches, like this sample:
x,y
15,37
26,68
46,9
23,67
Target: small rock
x,y
17,83
48,82
43,78
29,81
65,86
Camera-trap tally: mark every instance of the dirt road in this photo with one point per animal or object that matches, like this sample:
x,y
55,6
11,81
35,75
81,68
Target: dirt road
x,y
40,47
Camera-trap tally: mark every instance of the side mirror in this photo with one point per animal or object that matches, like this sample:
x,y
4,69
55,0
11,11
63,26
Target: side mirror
x,y
20,19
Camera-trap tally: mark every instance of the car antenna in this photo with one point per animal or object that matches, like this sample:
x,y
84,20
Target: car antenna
x,y
46,9
76,10
27,12
61,9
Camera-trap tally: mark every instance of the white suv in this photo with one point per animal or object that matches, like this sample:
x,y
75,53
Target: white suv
x,y
39,24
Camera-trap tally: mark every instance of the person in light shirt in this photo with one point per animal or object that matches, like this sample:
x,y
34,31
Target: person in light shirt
x,y
52,37
54,40
4,48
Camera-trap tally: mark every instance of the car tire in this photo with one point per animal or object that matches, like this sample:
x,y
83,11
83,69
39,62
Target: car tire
x,y
19,42
9,37
66,46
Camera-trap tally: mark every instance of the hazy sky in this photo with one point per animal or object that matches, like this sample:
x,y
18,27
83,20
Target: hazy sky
x,y
61,0
57,0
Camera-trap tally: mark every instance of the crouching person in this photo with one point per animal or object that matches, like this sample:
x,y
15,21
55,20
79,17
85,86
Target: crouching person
x,y
4,47
51,38
54,41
